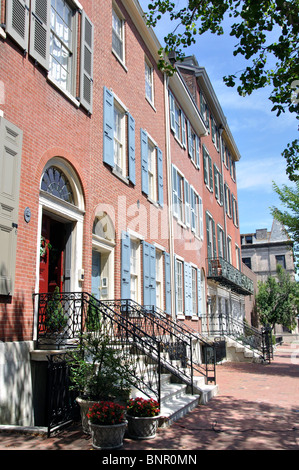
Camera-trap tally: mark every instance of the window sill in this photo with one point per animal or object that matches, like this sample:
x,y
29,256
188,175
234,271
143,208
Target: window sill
x,y
119,60
155,203
120,176
67,94
2,33
151,104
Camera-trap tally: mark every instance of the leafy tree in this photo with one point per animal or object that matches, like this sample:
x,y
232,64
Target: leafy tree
x,y
289,197
277,300
267,35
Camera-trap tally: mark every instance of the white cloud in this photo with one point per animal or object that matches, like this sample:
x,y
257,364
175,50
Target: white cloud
x,y
259,174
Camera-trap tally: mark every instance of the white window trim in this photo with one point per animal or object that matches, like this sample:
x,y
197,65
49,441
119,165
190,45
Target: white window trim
x,y
151,83
118,13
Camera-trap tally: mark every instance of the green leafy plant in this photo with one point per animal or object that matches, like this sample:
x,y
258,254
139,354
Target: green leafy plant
x,y
55,317
106,413
101,368
142,408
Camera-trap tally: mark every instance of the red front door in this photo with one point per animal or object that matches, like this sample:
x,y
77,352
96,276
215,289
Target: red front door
x,y
51,255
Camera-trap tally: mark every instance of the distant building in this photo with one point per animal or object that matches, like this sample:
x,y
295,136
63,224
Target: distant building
x,y
262,251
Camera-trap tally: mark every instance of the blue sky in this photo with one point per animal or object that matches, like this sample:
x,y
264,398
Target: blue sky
x,y
260,135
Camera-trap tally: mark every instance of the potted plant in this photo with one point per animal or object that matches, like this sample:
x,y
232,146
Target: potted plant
x,y
55,320
100,370
107,423
143,417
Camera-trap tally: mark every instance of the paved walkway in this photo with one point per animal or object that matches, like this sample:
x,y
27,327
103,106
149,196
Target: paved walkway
x,y
257,408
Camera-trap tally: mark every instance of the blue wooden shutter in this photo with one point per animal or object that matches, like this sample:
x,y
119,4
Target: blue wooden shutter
x,y
131,145
167,283
199,299
108,138
144,161
86,63
160,176
149,274
176,286
205,165
125,266
187,289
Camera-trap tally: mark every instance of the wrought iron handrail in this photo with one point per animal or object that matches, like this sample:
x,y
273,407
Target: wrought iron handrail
x,y
76,309
181,345
221,270
259,341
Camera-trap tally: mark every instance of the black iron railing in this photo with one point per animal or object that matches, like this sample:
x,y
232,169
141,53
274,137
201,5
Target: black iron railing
x,y
239,330
226,274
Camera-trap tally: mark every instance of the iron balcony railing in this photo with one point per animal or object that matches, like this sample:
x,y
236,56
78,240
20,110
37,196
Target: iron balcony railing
x,y
223,272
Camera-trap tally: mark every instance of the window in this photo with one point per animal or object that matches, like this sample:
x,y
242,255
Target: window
x,y
218,184
208,169
134,270
221,242
179,286
178,194
61,44
227,200
119,140
234,206
55,182
193,145
118,35
149,82
280,259
48,31
177,121
211,236
119,127
196,213
247,262
152,168
204,110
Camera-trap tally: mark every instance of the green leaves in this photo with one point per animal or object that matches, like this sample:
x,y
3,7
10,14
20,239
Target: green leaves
x,y
267,34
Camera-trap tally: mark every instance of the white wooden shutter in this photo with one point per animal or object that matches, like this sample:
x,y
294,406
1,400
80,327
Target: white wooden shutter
x,y
86,63
40,32
17,21
10,171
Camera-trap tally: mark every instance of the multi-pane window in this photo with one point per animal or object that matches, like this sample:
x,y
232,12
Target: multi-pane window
x,y
61,44
119,140
218,185
149,88
179,285
247,262
208,169
177,121
211,236
118,35
178,194
280,259
221,242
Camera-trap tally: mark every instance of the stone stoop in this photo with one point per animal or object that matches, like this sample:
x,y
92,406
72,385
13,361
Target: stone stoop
x,y
238,352
176,398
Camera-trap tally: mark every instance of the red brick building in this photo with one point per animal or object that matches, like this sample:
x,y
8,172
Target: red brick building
x,y
105,182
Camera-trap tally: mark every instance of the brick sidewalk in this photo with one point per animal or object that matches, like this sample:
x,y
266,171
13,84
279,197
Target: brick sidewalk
x,y
257,408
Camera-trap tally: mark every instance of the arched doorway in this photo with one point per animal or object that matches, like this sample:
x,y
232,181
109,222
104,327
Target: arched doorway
x,y
61,213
